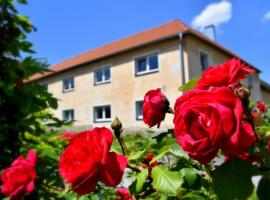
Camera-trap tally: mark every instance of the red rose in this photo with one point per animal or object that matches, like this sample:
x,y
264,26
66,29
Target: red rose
x,y
148,159
224,74
155,107
18,179
87,160
207,120
261,106
123,194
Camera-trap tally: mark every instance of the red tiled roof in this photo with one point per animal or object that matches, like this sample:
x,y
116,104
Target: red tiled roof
x,y
161,32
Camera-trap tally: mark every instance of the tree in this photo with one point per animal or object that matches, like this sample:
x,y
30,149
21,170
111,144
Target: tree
x,y
21,102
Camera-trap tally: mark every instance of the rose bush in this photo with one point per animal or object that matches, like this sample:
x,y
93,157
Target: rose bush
x,y
87,160
18,179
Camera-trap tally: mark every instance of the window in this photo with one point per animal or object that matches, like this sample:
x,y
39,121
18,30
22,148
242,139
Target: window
x,y
68,115
250,80
102,75
68,84
102,113
139,110
204,59
146,64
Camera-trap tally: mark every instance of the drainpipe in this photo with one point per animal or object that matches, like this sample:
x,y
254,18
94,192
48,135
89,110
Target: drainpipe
x,y
182,62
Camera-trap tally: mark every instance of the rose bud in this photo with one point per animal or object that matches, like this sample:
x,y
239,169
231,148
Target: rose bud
x,y
155,107
261,106
116,126
18,179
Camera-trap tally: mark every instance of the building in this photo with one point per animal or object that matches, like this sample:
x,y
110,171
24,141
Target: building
x,y
95,86
265,91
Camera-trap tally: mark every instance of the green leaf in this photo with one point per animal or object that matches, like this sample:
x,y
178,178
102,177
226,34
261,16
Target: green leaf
x,y
263,191
141,179
189,85
189,175
163,151
192,196
137,155
165,181
232,180
176,150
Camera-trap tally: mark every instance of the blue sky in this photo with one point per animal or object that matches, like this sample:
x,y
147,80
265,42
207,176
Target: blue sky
x,y
66,28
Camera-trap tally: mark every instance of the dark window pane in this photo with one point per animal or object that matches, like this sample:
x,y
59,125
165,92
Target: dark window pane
x,y
71,82
204,60
107,112
68,115
98,76
107,73
98,113
153,62
139,108
141,65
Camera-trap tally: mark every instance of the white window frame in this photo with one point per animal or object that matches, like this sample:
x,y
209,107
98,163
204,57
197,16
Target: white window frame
x,y
148,70
138,117
104,119
70,88
201,51
67,110
103,68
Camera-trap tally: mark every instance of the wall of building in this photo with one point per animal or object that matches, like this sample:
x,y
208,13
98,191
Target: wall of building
x,y
193,47
124,89
266,96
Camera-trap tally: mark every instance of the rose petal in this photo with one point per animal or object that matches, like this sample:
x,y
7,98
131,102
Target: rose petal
x,y
113,169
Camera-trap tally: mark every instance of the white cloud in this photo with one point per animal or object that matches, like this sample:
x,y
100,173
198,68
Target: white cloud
x,y
267,16
214,13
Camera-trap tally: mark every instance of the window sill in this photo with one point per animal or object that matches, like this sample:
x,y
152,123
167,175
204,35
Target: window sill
x,y
103,82
147,72
102,120
139,118
69,90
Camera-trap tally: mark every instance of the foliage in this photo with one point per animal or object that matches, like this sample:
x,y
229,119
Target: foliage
x,y
21,104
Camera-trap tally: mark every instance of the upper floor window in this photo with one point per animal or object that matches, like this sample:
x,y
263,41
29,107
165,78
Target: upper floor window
x,y
102,75
146,64
68,84
139,110
102,113
68,115
204,59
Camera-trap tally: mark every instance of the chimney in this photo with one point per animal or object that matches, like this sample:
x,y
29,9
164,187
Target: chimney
x,y
210,31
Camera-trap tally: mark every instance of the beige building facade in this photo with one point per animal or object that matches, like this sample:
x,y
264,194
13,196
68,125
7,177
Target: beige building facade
x,y
94,87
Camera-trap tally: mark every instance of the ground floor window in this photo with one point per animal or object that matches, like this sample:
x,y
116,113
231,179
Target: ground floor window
x,y
102,113
68,115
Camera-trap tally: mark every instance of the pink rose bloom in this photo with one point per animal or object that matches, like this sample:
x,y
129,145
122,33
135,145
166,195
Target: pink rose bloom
x,y
18,179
